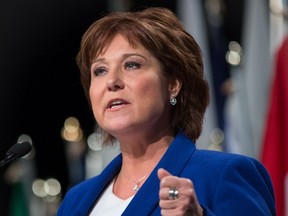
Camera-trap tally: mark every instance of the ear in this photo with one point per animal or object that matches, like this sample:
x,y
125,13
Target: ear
x,y
174,87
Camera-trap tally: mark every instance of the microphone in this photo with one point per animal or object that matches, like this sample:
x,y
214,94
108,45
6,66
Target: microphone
x,y
16,151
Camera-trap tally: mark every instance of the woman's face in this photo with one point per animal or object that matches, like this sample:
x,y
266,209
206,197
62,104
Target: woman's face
x,y
128,91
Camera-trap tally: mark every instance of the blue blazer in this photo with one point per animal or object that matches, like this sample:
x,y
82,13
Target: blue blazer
x,y
225,184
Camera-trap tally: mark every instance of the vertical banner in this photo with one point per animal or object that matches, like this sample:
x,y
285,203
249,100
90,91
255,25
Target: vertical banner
x,y
275,146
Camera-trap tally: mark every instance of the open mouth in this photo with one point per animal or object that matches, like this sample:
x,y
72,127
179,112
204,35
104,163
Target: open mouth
x,y
116,103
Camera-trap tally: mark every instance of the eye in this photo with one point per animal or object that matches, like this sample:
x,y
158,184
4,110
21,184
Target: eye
x,y
130,65
100,71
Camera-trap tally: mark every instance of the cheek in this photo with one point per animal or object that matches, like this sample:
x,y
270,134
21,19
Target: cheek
x,y
91,95
95,91
94,98
153,91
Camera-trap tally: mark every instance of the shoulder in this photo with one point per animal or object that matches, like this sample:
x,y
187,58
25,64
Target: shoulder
x,y
75,195
217,158
82,187
218,169
222,163
235,178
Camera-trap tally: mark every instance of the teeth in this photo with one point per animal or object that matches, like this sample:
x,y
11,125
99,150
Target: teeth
x,y
115,103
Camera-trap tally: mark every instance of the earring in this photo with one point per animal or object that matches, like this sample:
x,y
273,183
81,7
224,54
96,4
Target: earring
x,y
173,100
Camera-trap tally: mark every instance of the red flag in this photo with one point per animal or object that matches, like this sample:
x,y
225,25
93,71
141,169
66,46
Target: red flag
x,y
275,146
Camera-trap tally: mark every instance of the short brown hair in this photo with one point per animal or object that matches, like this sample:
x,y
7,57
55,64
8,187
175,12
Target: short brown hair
x,y
160,32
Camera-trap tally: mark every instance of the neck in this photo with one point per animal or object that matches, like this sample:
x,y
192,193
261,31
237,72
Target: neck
x,y
138,162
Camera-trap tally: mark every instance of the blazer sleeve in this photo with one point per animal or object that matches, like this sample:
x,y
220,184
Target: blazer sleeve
x,y
244,188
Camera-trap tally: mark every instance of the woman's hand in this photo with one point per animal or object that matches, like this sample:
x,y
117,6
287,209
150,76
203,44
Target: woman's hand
x,y
177,196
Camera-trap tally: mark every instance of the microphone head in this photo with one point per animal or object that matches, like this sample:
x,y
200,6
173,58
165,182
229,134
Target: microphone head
x,y
20,149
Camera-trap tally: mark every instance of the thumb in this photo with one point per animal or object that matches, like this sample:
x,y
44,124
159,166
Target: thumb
x,y
162,173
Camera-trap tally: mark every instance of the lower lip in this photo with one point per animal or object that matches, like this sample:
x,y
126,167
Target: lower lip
x,y
116,108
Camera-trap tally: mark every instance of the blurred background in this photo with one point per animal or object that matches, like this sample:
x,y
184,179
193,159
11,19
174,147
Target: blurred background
x,y
245,53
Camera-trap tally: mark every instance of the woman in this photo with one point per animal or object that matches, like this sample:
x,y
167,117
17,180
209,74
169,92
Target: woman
x,y
143,76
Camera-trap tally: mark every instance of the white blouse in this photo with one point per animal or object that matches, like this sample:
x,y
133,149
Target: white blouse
x,y
109,204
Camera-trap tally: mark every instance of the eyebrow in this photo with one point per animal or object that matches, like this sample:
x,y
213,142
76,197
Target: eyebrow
x,y
124,56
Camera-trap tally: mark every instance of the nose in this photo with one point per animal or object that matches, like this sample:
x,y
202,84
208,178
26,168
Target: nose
x,y
114,82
